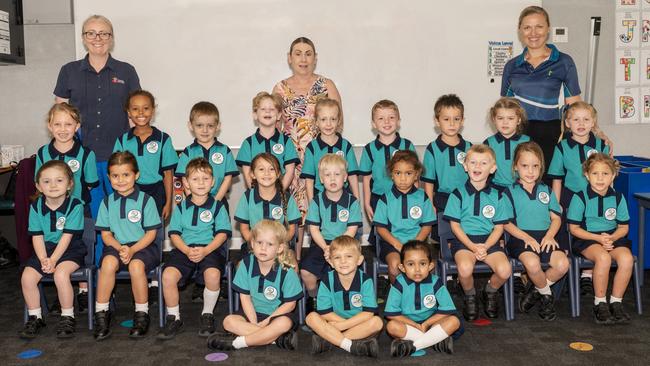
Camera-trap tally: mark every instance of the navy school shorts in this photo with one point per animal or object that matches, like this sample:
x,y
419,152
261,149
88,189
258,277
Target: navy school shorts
x,y
517,246
150,256
456,245
261,317
580,244
187,268
157,192
314,261
76,252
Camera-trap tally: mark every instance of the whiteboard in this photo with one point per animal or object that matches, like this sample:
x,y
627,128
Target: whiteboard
x,y
225,51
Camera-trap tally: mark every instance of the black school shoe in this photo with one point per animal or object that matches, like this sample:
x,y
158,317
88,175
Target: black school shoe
x,y
519,287
31,329
444,346
319,344
82,302
66,327
140,325
207,325
547,308
490,302
586,286
172,327
618,314
470,308
367,347
401,348
288,341
102,326
528,300
602,314
220,342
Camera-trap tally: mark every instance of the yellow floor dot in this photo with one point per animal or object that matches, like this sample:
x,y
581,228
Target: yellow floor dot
x,y
581,346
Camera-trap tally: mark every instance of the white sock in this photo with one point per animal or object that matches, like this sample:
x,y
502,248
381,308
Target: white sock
x,y
175,311
346,344
83,290
412,333
598,300
35,312
68,312
101,307
613,299
517,274
549,282
431,337
142,307
239,342
210,299
546,290
153,283
586,274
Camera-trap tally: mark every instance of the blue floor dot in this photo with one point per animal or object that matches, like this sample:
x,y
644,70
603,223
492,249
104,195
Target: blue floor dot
x,y
30,353
127,323
419,353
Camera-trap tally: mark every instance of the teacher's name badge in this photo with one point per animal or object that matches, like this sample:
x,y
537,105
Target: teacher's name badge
x,y
270,293
276,213
217,158
591,152
344,215
544,198
278,149
415,212
206,216
74,165
356,300
429,301
488,211
610,213
152,147
460,157
60,223
134,216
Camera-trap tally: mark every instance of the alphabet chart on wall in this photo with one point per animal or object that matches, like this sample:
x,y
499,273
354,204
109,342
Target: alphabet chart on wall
x,y
632,104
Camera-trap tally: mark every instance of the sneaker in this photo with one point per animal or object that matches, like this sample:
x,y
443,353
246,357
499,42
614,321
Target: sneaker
x,y
140,325
55,308
401,348
102,326
197,293
470,308
586,286
519,286
32,327
365,347
172,327
602,314
220,342
490,304
288,341
618,314
528,300
82,302
444,346
547,308
153,295
319,345
66,327
207,325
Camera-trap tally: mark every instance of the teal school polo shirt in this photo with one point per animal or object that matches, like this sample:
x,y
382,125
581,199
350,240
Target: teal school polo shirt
x,y
279,145
154,155
218,155
404,214
334,218
443,167
504,148
52,224
198,225
374,159
128,217
568,158
531,211
346,303
476,211
418,301
252,208
315,151
595,213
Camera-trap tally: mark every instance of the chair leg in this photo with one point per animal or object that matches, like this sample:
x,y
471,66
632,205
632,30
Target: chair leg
x,y
230,294
375,273
302,307
161,299
576,284
91,298
508,298
572,295
637,287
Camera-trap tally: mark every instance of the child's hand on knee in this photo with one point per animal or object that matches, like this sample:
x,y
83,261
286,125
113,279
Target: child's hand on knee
x,y
549,244
531,243
264,323
125,254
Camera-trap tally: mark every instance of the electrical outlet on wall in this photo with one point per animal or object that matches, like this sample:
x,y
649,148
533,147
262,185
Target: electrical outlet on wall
x,y
560,34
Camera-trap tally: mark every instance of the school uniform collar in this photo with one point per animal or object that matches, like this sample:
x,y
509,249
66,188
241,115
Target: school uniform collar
x,y
260,138
443,145
156,135
214,143
269,276
73,152
354,286
61,209
396,143
554,56
344,201
471,190
85,64
500,138
427,279
592,194
324,145
397,193
133,195
591,143
533,194
276,200
206,205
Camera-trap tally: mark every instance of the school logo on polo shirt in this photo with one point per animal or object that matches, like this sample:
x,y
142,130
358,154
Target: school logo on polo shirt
x,y
217,158
429,301
610,213
152,147
206,216
544,198
339,153
178,184
60,223
488,211
344,215
134,216
356,300
270,293
74,165
591,152
276,214
415,212
278,148
461,157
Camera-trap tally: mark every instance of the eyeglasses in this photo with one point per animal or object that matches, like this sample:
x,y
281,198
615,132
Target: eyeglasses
x,y
90,35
